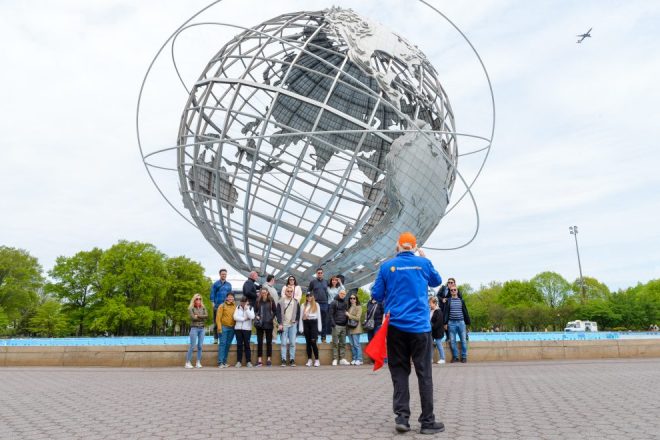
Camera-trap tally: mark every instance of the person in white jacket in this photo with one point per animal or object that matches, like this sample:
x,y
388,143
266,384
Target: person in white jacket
x,y
310,325
243,315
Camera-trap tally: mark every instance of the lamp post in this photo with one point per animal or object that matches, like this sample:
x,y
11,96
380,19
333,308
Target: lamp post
x,y
574,231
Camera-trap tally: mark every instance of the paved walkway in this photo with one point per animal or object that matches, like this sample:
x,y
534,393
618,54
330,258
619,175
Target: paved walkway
x,y
611,399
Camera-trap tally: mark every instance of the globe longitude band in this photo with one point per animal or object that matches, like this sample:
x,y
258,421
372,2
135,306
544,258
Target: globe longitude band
x,y
305,138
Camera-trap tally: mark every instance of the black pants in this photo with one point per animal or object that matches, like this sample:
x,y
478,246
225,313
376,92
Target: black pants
x,y
325,320
401,348
269,341
215,326
311,331
243,343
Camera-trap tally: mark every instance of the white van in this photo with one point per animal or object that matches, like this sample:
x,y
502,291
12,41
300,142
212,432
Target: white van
x,y
581,326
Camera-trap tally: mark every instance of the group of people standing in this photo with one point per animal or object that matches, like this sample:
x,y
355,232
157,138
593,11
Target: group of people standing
x,y
449,315
325,310
398,296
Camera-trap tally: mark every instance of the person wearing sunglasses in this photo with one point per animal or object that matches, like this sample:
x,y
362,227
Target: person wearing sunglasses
x,y
297,290
198,315
456,321
444,294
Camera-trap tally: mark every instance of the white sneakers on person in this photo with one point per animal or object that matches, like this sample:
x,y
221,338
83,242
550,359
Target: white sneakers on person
x,y
352,362
199,365
358,363
308,363
188,365
334,362
441,361
344,362
317,363
249,365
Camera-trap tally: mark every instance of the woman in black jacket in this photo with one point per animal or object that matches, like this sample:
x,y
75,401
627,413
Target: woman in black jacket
x,y
437,328
264,310
375,309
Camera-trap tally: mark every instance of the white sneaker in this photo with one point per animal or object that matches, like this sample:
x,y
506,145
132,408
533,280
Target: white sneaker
x,y
334,363
188,365
309,363
238,365
358,363
317,363
199,365
249,365
352,362
344,362
441,361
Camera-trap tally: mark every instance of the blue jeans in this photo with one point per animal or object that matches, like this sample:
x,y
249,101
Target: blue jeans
x,y
288,338
224,343
196,338
356,348
441,349
457,328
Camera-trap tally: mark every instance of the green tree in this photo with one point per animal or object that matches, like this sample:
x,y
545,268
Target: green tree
x,y
649,300
20,281
76,281
519,292
184,279
133,282
465,289
592,289
552,286
49,320
601,311
4,321
566,312
538,316
515,318
638,306
483,307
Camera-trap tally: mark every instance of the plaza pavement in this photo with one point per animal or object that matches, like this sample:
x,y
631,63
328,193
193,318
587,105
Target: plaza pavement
x,y
599,399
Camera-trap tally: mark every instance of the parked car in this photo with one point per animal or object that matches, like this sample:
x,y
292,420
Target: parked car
x,y
581,326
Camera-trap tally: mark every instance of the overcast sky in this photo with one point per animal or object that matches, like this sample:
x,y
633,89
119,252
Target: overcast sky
x,y
576,139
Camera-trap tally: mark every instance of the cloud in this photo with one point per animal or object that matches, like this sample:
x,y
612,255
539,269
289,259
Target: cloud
x,y
576,137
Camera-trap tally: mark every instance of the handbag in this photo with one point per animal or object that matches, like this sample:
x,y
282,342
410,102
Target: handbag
x,y
352,323
369,323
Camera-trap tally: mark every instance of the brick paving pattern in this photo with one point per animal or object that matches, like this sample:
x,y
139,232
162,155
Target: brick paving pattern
x,y
602,399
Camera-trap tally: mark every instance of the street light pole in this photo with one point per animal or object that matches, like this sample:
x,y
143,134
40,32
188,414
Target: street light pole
x,y
574,232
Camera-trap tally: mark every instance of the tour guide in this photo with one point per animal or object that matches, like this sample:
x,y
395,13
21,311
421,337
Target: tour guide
x,y
402,284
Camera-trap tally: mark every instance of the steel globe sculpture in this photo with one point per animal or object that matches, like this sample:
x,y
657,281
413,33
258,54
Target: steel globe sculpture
x,y
313,140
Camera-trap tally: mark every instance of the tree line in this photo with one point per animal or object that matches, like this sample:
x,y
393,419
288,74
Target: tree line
x,y
129,289
548,302
132,288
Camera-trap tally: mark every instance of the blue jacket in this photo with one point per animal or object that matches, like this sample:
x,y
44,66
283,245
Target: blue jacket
x,y
219,292
402,284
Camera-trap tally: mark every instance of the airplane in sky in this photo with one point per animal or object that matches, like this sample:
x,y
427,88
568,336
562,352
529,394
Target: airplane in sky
x,y
585,35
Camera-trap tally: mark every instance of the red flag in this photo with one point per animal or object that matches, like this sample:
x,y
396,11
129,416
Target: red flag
x,y
377,348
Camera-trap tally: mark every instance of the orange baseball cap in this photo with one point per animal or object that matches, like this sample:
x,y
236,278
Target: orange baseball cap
x,y
407,240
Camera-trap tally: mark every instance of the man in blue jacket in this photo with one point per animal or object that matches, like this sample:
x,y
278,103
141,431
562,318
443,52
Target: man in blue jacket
x,y
219,292
402,284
